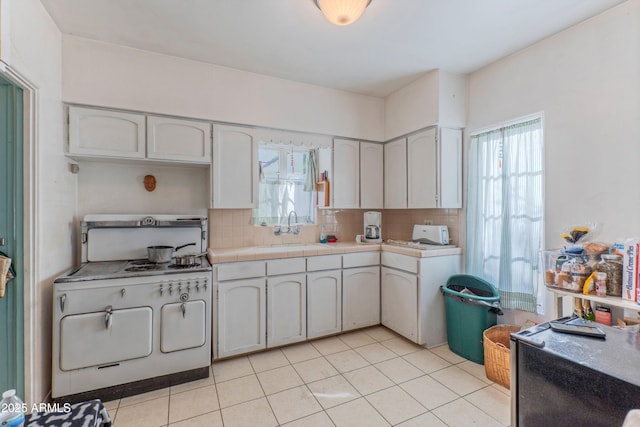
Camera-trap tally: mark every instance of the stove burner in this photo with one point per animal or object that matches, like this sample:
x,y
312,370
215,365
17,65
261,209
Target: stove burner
x,y
182,267
142,262
144,267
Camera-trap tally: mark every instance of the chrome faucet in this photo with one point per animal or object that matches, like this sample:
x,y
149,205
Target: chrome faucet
x,y
289,221
278,229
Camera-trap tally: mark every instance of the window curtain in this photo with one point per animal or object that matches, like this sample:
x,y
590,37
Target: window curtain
x,y
505,211
278,198
312,172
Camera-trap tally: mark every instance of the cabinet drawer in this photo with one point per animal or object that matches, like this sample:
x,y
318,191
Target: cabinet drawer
x,y
240,270
325,262
285,266
400,262
360,259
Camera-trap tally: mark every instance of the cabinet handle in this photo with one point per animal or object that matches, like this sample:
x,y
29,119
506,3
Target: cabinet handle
x,y
108,317
63,299
183,307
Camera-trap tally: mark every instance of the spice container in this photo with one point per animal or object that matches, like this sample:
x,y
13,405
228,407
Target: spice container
x,y
601,284
612,265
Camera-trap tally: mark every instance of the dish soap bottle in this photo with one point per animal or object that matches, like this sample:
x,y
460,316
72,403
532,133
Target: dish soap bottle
x,y
323,235
11,410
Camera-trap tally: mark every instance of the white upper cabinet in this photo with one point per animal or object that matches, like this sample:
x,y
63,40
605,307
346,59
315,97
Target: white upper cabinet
x,y
95,132
235,167
177,139
435,168
371,175
421,169
450,166
346,174
395,174
424,171
103,133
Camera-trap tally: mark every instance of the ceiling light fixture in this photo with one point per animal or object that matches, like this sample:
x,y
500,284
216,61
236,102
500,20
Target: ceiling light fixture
x,y
342,12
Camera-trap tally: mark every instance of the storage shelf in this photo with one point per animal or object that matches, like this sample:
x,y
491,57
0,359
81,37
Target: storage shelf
x,y
612,301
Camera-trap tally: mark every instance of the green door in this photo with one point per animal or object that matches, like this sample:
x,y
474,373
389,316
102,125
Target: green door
x,y
11,237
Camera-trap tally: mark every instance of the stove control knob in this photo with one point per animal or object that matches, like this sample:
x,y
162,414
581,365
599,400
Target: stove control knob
x,y
188,287
179,287
161,289
205,285
122,292
197,286
170,289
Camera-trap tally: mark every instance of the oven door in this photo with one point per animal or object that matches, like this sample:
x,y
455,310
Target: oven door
x,y
105,337
182,326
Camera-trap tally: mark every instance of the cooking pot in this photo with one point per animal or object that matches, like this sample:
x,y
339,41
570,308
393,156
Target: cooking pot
x,y
160,254
189,259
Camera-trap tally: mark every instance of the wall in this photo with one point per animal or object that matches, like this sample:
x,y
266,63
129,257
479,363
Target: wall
x,y
438,97
35,53
108,75
229,228
179,189
586,81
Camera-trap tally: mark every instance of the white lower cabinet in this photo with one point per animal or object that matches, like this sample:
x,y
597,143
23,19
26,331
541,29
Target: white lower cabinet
x,y
324,303
241,316
287,309
265,304
412,303
360,297
399,293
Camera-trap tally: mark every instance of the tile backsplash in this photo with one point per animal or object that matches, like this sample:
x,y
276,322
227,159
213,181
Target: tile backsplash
x,y
232,228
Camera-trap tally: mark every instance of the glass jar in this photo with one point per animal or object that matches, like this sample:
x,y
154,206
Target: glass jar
x,y
612,265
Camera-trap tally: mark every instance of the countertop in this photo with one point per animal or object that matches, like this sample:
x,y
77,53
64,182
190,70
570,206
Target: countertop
x,y
420,253
314,249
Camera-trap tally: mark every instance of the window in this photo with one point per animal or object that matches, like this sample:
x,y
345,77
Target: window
x,y
283,185
505,211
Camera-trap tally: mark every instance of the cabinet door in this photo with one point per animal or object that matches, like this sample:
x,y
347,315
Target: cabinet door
x,y
346,174
399,295
421,170
177,139
103,133
371,175
93,339
360,297
395,174
324,303
235,168
182,325
450,168
287,309
241,316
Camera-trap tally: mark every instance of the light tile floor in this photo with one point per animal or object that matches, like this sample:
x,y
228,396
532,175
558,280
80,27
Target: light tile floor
x,y
372,377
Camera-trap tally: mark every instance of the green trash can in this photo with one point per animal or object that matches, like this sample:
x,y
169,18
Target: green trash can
x,y
471,306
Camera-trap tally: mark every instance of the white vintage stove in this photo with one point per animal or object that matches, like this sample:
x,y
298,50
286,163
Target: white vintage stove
x,y
123,325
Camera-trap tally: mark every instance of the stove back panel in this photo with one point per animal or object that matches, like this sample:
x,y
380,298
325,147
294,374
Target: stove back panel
x,y
109,244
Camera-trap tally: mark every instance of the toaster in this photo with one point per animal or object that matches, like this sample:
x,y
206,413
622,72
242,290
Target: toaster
x,y
431,234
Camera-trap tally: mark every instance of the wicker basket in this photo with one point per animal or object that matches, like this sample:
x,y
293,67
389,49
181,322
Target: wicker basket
x,y
496,353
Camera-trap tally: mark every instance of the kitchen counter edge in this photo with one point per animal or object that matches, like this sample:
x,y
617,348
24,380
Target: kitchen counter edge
x,y
254,253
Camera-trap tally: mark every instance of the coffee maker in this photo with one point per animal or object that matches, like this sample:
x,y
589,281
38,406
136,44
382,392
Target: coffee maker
x,y
372,227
